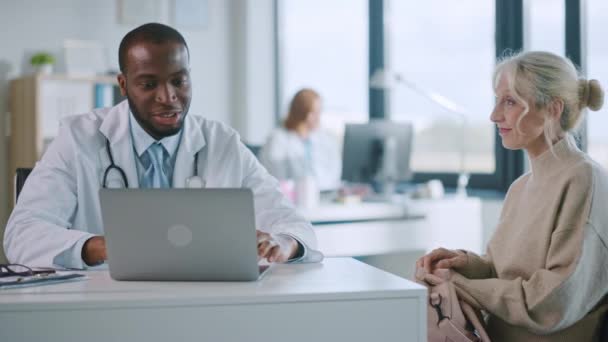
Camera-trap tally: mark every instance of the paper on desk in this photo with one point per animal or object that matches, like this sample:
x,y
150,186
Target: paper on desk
x,y
39,279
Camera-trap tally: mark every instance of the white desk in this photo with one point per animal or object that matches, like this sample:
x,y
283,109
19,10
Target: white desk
x,y
449,222
335,212
338,300
393,244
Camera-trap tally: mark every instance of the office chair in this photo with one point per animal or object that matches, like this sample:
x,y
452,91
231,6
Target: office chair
x,y
604,329
255,149
21,175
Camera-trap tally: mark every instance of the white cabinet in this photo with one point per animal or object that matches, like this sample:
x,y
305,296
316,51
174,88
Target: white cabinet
x,y
38,102
393,244
59,98
339,299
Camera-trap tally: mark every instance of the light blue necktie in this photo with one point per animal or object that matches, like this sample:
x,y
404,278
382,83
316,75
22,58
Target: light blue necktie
x,y
155,175
308,154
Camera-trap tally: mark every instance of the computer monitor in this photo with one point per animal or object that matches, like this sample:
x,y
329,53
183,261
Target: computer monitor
x,y
378,151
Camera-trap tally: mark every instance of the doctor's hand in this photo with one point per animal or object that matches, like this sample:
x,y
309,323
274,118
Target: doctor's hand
x,y
442,258
276,247
94,251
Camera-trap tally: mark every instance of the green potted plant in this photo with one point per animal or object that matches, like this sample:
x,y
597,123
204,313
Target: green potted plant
x,y
43,62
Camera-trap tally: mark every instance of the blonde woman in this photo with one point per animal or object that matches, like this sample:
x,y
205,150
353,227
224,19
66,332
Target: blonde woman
x,y
545,274
299,149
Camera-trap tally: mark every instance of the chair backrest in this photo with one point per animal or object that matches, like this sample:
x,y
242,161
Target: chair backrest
x,y
21,175
604,329
255,149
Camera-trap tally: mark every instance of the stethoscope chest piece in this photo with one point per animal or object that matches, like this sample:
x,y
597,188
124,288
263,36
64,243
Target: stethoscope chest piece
x,y
195,182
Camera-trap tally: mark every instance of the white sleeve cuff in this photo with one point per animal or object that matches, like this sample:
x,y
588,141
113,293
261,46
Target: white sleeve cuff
x,y
309,255
72,257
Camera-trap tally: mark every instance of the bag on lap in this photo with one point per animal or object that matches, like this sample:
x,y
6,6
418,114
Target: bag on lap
x,y
450,319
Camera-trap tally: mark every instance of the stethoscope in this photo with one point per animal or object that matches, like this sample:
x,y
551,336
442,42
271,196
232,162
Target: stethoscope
x,y
194,181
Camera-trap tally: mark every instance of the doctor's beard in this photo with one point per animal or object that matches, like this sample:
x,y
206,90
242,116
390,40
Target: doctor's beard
x,y
146,122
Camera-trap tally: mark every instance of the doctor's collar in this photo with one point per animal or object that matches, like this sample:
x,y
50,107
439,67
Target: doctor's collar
x,y
142,140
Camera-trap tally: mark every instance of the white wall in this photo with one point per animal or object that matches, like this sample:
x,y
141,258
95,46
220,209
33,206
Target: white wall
x,y
230,76
32,25
254,69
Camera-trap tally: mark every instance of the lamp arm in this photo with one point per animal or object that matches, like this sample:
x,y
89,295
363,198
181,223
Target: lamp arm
x,y
434,97
449,106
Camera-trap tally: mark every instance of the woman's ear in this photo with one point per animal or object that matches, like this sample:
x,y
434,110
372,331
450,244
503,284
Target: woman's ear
x,y
555,109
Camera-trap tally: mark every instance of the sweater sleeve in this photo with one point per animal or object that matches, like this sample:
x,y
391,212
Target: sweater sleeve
x,y
478,266
574,278
482,266
553,298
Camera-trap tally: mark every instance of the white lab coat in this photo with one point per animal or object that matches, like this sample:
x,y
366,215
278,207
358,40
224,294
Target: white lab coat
x,y
59,204
284,156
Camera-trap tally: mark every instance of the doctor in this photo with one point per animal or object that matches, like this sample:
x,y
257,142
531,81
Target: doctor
x,y
149,140
300,148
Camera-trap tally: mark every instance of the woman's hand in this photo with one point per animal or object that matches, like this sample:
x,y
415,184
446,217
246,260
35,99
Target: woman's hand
x,y
442,258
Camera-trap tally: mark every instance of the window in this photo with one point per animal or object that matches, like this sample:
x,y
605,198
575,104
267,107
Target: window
x,y
545,25
324,45
446,47
545,29
597,68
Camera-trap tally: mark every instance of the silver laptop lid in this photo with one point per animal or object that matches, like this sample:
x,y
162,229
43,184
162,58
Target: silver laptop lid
x,y
180,234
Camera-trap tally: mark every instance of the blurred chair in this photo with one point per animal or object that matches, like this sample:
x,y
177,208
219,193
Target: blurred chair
x,y
255,149
604,329
21,175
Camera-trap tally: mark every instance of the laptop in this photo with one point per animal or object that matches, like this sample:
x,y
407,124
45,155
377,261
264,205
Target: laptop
x,y
180,234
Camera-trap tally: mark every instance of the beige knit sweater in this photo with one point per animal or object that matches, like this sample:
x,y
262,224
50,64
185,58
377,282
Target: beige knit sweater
x,y
545,274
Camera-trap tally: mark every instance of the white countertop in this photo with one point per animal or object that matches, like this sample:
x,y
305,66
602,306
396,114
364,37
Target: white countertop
x,y
333,279
365,211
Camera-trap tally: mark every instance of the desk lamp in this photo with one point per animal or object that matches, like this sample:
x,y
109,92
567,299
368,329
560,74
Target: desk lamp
x,y
382,79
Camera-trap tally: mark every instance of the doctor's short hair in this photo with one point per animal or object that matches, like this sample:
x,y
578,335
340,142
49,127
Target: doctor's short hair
x,y
301,104
536,78
153,33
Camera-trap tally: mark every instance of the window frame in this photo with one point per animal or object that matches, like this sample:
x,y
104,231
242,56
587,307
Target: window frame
x,y
575,50
508,37
278,40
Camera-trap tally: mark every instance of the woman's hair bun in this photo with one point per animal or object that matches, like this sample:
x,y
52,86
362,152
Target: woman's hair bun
x,y
591,94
